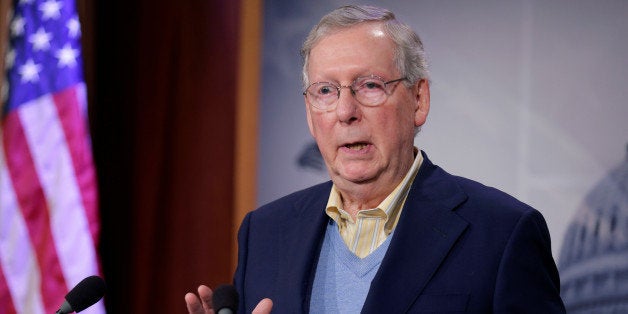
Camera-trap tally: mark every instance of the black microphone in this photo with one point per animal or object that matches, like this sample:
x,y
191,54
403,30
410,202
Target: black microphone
x,y
225,300
83,295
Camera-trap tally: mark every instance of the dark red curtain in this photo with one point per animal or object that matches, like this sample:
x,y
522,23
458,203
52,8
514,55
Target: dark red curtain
x,y
162,92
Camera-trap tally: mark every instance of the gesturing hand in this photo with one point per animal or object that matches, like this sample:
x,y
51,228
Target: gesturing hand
x,y
203,305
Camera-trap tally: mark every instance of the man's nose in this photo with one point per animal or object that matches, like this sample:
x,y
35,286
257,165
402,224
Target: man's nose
x,y
348,108
347,87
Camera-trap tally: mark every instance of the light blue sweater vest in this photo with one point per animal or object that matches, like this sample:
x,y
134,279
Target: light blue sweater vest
x,y
342,279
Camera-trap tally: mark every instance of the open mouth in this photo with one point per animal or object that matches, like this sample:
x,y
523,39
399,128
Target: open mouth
x,y
356,146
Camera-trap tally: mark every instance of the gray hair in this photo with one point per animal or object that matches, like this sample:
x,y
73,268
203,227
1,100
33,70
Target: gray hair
x,y
409,57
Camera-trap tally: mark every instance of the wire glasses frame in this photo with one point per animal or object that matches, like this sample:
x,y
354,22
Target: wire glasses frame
x,y
369,91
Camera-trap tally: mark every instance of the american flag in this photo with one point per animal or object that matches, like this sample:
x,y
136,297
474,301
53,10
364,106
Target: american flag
x,y
48,195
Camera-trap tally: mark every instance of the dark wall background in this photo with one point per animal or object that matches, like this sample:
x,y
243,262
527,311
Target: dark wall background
x,y
162,93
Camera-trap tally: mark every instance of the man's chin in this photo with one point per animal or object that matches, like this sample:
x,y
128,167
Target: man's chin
x,y
357,176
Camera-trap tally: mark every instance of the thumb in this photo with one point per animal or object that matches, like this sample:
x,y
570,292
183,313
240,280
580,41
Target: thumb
x,y
263,307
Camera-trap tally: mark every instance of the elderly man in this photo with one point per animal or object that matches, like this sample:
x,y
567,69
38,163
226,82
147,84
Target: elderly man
x,y
391,232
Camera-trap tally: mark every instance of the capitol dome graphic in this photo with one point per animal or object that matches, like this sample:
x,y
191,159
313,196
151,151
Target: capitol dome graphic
x,y
593,261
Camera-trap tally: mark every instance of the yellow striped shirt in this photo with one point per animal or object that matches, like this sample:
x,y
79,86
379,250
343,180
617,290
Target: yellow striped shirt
x,y
372,226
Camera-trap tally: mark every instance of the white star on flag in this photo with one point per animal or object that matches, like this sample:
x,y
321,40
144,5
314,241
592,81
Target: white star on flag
x,y
67,56
9,59
74,27
50,9
40,40
30,71
17,27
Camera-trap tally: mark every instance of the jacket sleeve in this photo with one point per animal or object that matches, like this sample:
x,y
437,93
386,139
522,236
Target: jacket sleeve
x,y
527,279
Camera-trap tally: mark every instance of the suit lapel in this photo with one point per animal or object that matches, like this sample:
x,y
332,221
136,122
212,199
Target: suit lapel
x,y
303,236
427,230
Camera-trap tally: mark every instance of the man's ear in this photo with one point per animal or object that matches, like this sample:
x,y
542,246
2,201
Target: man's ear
x,y
422,94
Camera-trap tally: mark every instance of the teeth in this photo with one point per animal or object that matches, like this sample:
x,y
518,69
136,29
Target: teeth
x,y
356,146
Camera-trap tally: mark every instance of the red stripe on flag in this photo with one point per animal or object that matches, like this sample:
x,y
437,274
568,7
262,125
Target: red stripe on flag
x,y
6,303
76,136
31,198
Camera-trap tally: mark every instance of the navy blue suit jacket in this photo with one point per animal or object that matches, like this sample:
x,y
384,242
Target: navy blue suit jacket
x,y
459,247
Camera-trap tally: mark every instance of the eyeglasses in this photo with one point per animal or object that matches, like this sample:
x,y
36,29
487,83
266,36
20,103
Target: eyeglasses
x,y
370,91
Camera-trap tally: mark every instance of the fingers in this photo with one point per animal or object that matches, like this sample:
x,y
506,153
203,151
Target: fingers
x,y
193,304
263,307
202,305
206,297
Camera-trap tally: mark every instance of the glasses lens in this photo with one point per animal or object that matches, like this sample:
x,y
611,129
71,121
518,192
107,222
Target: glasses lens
x,y
370,91
322,95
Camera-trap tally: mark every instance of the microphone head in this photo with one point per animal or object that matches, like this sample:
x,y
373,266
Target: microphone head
x,y
86,293
225,297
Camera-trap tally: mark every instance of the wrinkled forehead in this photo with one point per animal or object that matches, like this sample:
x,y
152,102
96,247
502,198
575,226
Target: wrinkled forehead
x,y
373,28
357,51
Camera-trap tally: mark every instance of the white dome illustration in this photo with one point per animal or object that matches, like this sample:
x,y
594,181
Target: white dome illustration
x,y
593,261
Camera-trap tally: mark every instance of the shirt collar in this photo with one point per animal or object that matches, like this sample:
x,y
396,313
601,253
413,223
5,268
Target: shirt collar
x,y
388,209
